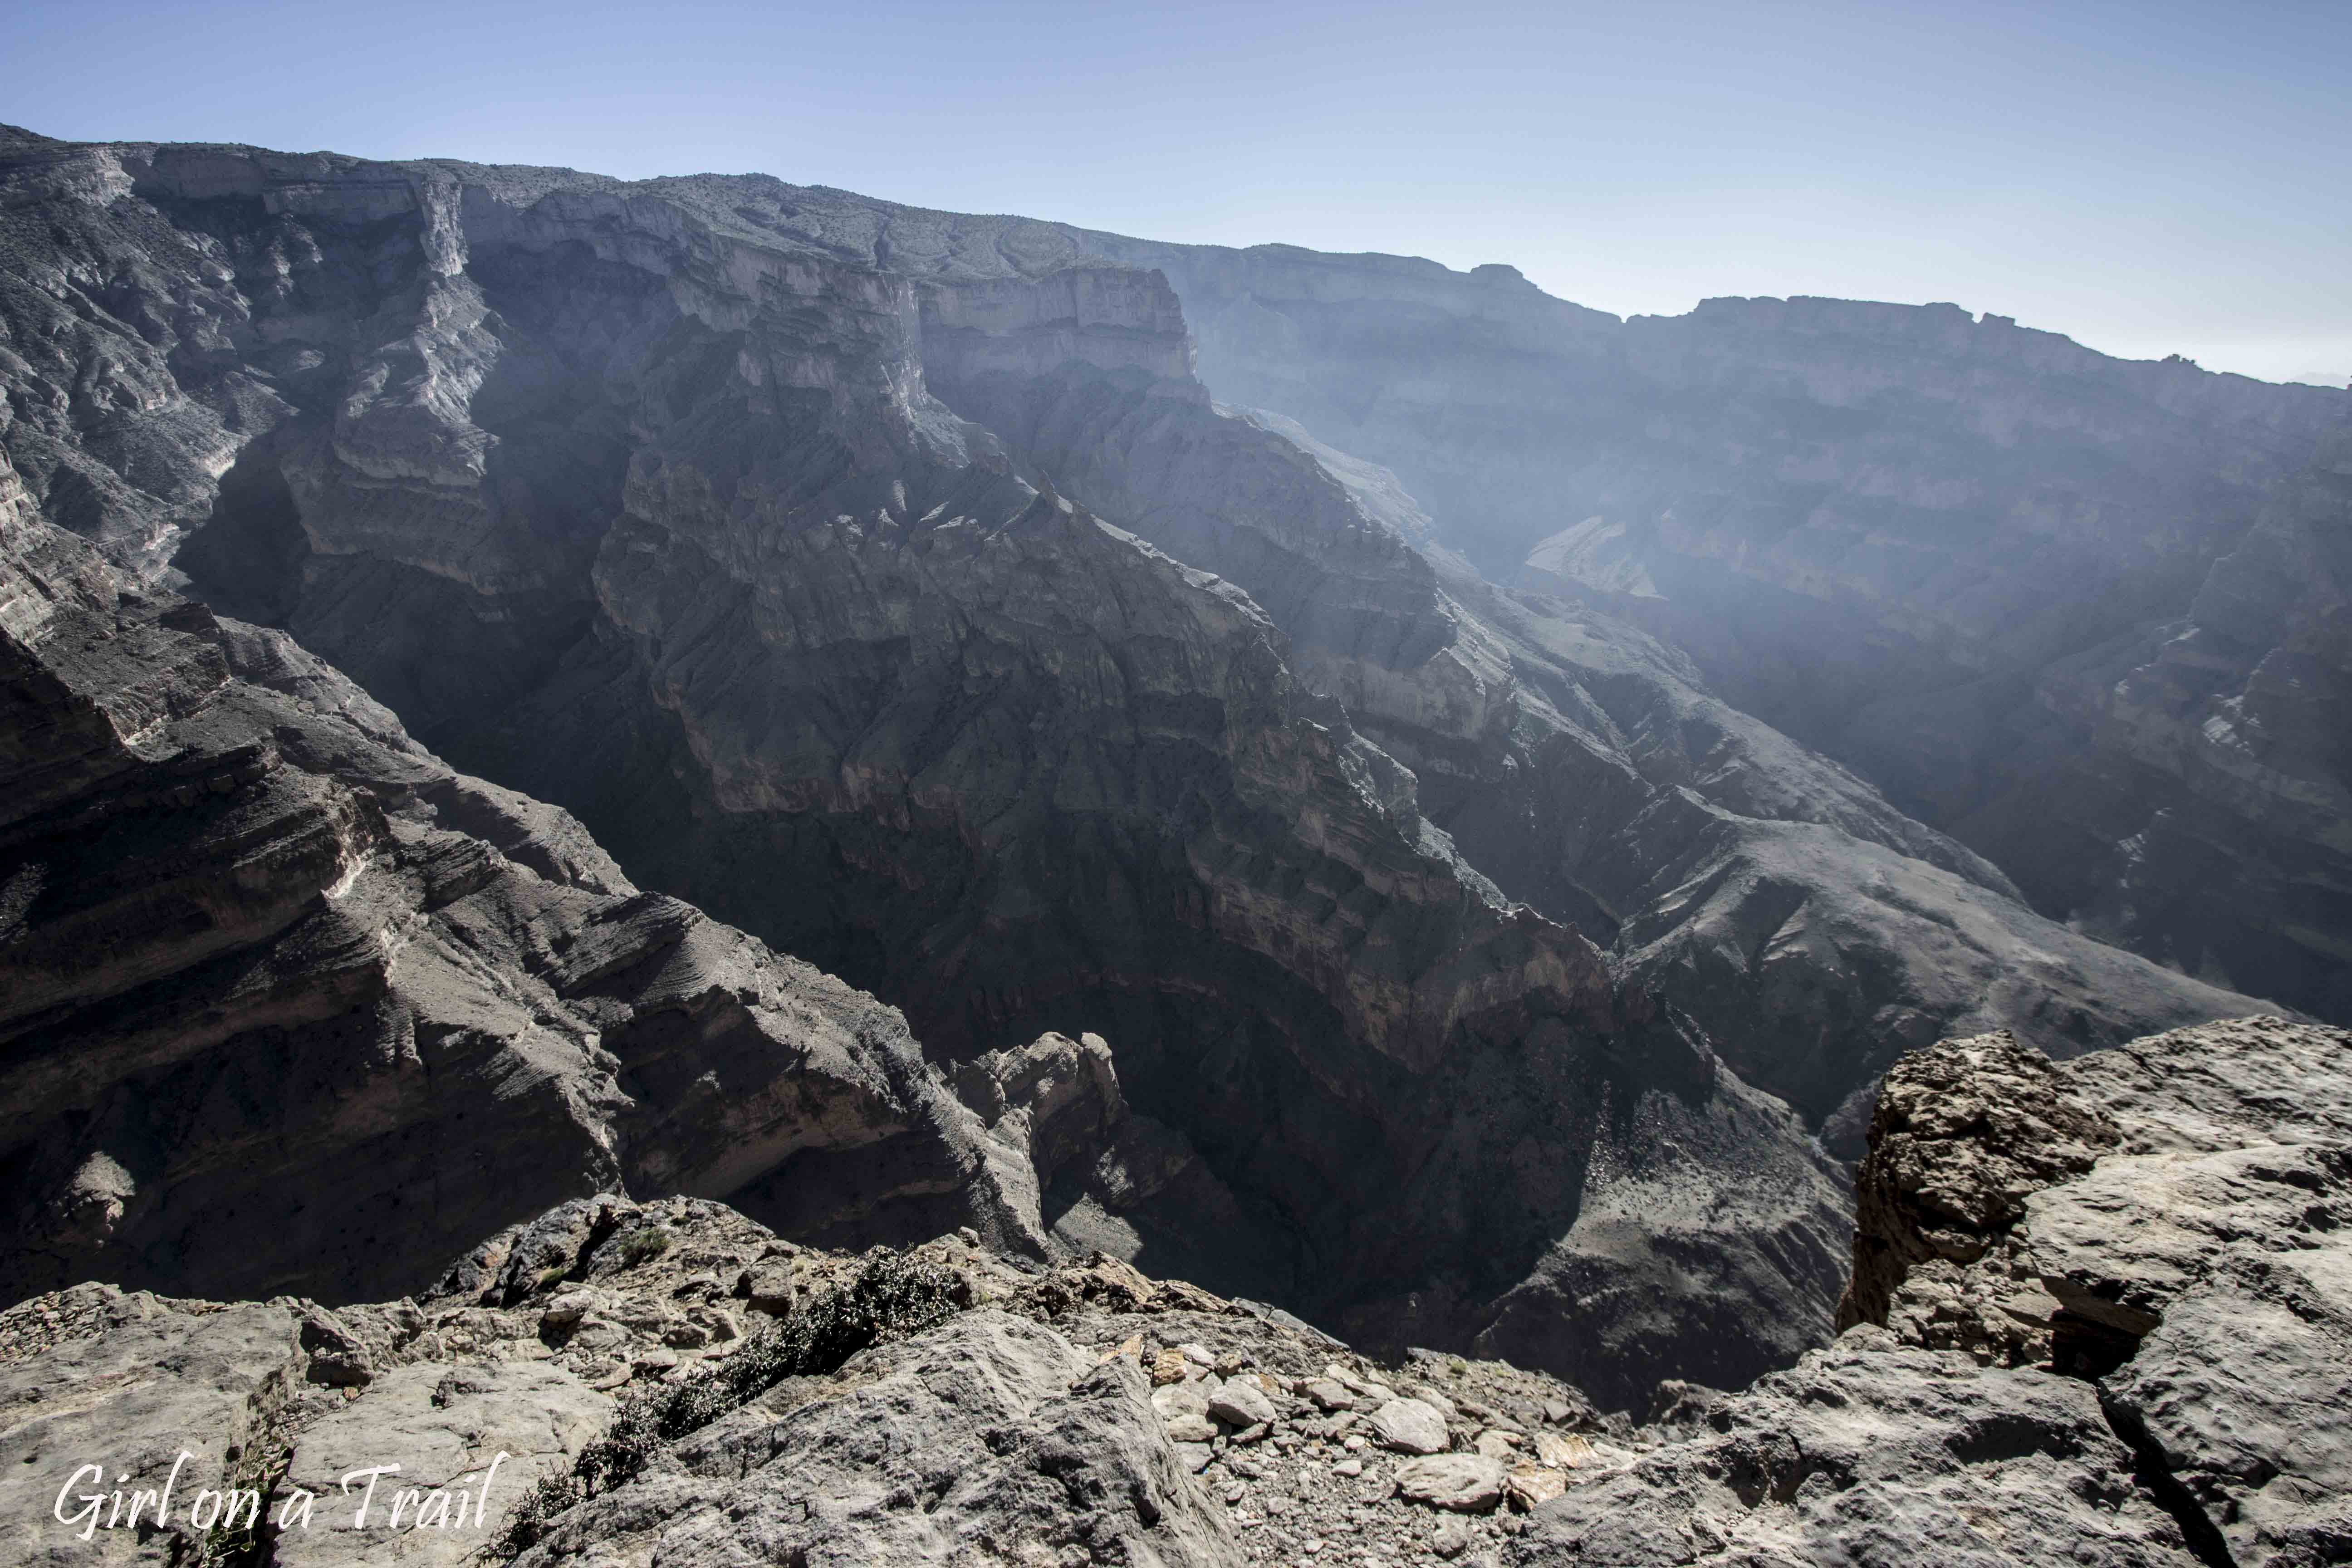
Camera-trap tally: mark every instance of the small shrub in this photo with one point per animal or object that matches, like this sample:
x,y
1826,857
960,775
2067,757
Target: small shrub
x,y
644,1246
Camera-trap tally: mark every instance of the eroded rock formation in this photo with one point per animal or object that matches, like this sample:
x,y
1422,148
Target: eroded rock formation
x,y
288,1004
2082,615
1814,929
634,497
2100,1313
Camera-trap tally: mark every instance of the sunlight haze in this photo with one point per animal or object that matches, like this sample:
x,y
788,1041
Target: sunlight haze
x,y
2150,179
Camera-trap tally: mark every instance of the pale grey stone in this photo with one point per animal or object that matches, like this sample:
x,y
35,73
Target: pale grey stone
x,y
986,1436
445,1428
1409,1426
137,1381
1462,1483
1240,1402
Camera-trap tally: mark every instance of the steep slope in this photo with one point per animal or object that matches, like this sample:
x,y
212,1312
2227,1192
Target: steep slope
x,y
2174,781
284,1002
2188,787
1985,567
1814,929
633,496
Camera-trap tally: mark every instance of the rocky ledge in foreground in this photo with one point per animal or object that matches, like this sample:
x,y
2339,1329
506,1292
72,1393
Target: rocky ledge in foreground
x,y
2100,1313
673,1382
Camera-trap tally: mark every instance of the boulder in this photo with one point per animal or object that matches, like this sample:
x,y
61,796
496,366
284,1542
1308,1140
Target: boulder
x,y
1528,1485
1240,1402
1409,1426
338,1357
1328,1395
1460,1483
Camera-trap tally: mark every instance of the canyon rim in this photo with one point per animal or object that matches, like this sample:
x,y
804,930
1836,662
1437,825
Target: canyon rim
x,y
861,884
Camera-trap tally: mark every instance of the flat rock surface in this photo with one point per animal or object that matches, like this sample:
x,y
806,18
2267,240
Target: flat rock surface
x,y
1463,1483
445,1427
1409,1426
129,1382
2152,1237
1872,1454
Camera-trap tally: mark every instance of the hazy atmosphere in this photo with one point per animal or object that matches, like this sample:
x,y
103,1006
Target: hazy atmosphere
x,y
2150,178
1232,786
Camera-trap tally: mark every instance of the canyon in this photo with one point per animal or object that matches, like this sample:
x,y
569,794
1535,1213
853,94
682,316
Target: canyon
x,y
2084,615
1368,788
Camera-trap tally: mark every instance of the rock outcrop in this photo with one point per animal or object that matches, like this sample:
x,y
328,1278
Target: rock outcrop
x,y
2100,1313
671,1381
1101,1177
1961,1137
679,1384
1871,1452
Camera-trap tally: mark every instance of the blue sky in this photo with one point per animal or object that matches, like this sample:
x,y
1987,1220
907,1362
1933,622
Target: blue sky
x,y
2151,178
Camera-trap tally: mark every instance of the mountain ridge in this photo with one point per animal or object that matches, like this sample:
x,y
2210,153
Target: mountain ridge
x,y
870,587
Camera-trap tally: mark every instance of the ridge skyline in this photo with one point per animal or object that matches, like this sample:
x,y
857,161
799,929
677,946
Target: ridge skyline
x,y
1974,315
2153,178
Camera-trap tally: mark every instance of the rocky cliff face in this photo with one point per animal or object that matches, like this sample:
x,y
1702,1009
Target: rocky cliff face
x,y
2073,612
634,497
2099,1313
2031,592
287,1003
2162,770
1814,929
